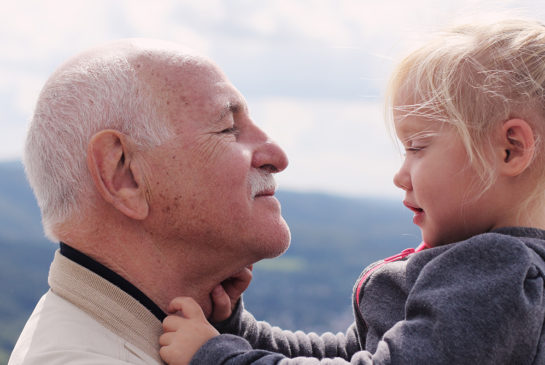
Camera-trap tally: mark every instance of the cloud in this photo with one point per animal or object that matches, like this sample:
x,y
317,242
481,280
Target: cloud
x,y
313,70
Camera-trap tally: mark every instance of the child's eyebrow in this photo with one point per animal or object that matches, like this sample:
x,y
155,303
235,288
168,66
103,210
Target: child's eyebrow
x,y
424,134
419,135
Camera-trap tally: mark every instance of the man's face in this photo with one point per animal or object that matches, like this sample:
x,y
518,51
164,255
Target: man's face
x,y
201,179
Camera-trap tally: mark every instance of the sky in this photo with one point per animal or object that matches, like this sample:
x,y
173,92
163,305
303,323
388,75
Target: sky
x,y
313,71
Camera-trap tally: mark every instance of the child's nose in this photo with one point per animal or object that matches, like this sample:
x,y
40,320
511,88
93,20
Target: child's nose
x,y
402,180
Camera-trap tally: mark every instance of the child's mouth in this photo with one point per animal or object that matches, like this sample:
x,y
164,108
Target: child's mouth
x,y
415,209
418,217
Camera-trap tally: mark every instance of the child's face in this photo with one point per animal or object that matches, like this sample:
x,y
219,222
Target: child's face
x,y
442,189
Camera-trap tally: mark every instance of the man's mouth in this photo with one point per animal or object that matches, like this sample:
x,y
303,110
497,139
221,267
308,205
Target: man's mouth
x,y
262,184
267,192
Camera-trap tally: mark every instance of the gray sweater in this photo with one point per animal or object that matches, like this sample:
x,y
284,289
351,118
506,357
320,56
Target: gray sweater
x,y
479,301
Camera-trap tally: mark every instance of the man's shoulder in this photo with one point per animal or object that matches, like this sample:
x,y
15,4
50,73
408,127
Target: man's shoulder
x,y
58,317
59,332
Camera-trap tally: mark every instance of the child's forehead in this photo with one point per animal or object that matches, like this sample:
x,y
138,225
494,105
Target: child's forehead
x,y
410,125
405,94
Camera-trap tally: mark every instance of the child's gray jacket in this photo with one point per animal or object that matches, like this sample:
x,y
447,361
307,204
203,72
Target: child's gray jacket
x,y
479,301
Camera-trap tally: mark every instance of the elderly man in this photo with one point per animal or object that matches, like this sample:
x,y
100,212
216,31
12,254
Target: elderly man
x,y
150,172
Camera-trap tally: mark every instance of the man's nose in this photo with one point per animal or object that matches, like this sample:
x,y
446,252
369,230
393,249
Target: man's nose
x,y
269,156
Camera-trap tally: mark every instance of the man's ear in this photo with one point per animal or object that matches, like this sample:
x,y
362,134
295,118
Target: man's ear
x,y
117,176
517,146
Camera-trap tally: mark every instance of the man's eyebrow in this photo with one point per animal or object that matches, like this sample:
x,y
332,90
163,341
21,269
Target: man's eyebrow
x,y
229,108
234,107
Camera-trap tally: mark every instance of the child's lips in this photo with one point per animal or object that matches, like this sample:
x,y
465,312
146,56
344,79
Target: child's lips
x,y
413,207
418,217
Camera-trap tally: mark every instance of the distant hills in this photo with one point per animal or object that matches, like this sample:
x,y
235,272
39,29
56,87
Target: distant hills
x,y
19,214
308,288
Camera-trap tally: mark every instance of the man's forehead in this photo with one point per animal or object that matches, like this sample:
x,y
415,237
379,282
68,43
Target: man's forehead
x,y
188,82
207,103
181,80
178,72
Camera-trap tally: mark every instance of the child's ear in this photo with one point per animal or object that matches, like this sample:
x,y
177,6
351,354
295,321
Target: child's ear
x,y
117,176
517,146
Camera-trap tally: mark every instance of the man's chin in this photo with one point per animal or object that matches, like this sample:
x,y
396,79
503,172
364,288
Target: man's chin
x,y
269,243
277,248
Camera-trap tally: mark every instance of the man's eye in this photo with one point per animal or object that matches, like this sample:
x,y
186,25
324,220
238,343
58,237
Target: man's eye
x,y
230,130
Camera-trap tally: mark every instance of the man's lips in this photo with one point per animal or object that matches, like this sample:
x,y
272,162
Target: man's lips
x,y
268,192
262,184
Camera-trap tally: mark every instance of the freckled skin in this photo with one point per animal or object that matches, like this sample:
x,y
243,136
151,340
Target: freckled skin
x,y
200,176
199,223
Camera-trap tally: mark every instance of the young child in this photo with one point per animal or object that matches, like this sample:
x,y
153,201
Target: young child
x,y
469,109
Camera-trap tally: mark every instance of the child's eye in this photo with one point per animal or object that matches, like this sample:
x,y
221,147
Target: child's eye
x,y
417,142
412,150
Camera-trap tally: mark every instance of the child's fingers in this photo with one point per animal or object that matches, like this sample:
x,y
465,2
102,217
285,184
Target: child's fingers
x,y
174,356
238,283
222,304
187,306
245,275
167,354
164,353
173,323
166,338
177,304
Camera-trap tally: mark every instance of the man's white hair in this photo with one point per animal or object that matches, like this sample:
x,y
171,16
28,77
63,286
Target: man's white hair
x,y
79,100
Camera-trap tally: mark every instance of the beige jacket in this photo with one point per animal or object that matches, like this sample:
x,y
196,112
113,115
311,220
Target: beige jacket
x,y
84,319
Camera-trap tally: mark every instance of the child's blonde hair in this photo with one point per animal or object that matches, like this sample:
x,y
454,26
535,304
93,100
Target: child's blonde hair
x,y
473,77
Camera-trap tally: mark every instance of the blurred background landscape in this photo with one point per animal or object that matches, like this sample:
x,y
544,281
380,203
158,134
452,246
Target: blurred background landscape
x,y
308,288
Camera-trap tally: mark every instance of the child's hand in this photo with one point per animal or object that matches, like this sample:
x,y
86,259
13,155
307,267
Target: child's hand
x,y
226,295
184,333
